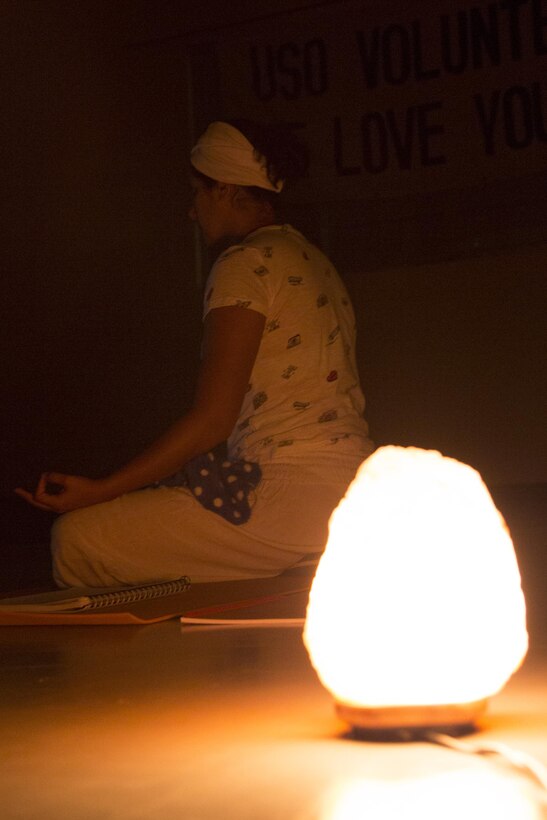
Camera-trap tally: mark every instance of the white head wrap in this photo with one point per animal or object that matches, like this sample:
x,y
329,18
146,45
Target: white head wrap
x,y
224,154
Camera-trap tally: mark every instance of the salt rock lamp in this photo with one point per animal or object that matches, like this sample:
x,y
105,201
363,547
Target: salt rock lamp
x,y
416,614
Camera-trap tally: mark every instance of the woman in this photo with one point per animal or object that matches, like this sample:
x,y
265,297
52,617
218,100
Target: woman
x,y
277,380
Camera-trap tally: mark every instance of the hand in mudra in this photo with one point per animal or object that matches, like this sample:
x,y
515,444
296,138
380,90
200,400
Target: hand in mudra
x,y
61,493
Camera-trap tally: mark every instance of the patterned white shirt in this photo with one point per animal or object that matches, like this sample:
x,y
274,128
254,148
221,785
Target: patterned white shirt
x,y
304,396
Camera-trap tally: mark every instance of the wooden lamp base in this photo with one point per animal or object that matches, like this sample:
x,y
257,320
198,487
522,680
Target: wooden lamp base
x,y
455,718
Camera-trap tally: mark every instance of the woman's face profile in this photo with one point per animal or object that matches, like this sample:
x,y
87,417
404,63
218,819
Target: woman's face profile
x,y
208,210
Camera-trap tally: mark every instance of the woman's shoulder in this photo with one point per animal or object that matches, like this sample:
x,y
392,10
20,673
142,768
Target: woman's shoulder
x,y
240,256
279,233
284,243
239,263
275,252
266,243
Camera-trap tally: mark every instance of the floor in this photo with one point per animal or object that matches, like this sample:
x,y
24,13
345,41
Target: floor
x,y
200,723
203,723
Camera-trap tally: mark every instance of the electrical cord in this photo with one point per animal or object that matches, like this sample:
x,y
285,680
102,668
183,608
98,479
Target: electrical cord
x,y
519,760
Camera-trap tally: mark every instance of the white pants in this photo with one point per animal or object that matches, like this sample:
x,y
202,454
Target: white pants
x,y
159,534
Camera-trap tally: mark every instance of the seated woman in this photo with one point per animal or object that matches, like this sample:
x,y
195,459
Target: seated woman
x,y
278,382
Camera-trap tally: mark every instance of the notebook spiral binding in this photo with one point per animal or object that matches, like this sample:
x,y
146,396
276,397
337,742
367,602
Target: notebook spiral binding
x,y
142,593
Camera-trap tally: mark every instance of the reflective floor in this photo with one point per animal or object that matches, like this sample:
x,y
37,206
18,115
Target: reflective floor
x,y
191,722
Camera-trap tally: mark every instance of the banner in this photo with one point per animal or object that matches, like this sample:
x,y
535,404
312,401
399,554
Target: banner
x,y
398,98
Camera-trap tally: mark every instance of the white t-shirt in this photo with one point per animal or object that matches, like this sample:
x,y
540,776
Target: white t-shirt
x,y
304,399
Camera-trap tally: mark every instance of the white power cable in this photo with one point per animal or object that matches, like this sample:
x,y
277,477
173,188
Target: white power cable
x,y
524,762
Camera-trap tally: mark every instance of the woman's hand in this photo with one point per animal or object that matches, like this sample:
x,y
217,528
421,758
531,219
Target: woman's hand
x,y
61,493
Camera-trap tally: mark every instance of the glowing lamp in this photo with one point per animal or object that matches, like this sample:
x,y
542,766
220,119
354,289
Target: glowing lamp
x,y
416,614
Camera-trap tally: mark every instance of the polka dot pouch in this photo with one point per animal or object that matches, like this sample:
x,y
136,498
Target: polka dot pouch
x,y
220,484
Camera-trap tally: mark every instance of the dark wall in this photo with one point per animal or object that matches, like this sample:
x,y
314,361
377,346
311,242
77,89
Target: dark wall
x,y
453,357
101,326
101,308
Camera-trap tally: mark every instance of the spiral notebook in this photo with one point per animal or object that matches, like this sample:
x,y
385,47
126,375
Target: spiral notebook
x,y
97,605
80,599
158,602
